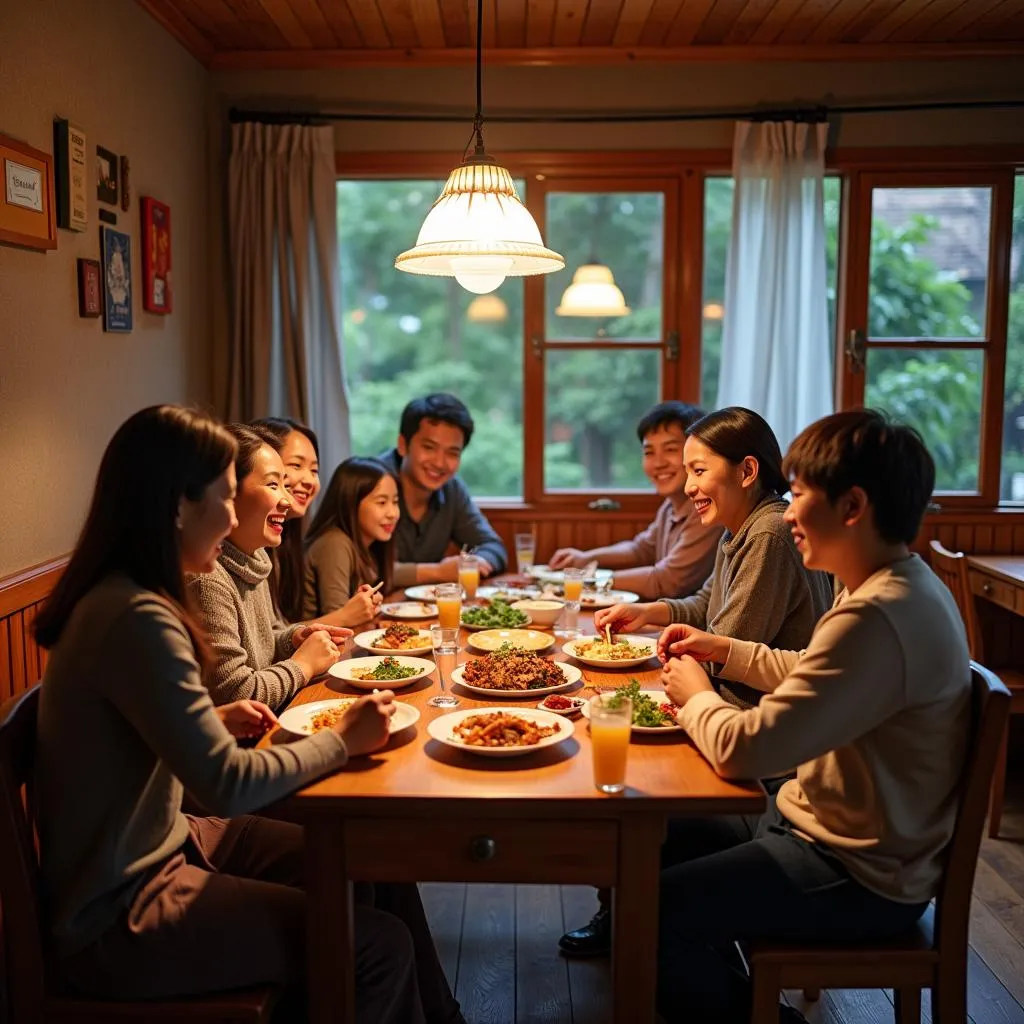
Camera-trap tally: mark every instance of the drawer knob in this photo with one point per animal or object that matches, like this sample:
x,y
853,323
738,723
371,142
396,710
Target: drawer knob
x,y
483,848
986,588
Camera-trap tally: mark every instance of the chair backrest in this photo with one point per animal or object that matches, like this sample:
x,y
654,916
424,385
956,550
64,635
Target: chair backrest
x,y
990,709
951,568
19,869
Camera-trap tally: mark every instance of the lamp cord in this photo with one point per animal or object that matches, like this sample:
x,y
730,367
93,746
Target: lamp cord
x,y
477,136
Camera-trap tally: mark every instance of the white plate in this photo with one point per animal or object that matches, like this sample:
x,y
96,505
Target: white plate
x,y
637,641
659,697
578,704
571,672
528,639
549,575
441,729
366,642
487,592
343,670
298,719
475,629
592,599
410,610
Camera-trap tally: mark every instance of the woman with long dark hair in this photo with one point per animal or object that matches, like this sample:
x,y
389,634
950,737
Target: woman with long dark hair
x,y
300,453
351,542
142,900
758,590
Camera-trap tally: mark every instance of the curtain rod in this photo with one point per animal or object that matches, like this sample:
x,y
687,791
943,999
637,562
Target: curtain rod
x,y
812,114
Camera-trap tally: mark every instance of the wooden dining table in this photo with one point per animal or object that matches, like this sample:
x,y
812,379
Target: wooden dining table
x,y
421,811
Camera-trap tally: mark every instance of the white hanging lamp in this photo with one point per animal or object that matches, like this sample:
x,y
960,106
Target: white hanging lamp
x,y
478,231
487,309
593,292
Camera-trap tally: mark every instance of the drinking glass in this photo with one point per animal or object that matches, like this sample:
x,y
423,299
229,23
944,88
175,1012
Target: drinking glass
x,y
611,717
469,575
448,598
445,641
525,544
572,586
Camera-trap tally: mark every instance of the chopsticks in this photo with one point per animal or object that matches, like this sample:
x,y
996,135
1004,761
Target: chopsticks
x,y
376,586
608,633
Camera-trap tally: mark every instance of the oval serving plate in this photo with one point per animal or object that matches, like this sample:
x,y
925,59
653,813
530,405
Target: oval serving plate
x,y
442,730
658,696
298,719
343,670
571,673
528,639
410,610
570,647
367,642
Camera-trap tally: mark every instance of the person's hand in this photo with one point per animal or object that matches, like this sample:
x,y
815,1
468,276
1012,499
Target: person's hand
x,y
679,639
364,727
362,605
446,571
486,569
339,634
245,719
317,653
568,558
683,678
623,618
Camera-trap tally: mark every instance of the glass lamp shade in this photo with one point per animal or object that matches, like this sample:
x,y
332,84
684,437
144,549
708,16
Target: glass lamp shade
x,y
593,292
487,309
479,232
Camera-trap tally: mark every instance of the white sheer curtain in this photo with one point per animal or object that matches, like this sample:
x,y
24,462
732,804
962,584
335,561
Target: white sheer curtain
x,y
775,337
286,355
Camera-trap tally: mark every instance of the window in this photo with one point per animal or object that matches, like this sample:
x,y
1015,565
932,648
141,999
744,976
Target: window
x,y
406,335
1012,475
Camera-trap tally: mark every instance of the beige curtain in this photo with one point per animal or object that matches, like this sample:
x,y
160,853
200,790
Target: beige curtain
x,y
286,356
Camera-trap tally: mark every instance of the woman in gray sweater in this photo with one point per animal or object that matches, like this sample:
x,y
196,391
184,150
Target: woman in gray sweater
x,y
256,654
142,900
758,590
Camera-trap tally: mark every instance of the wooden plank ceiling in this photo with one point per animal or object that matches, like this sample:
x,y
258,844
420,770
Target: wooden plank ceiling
x,y
336,33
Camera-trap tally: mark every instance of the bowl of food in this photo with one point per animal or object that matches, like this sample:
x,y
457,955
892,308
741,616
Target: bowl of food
x,y
387,673
501,732
513,671
496,615
541,611
396,638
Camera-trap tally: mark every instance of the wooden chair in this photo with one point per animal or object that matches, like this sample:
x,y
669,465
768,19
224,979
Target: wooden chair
x,y
951,568
934,955
32,995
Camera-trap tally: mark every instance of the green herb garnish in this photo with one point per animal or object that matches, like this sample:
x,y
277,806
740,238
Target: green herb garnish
x,y
646,711
387,668
497,615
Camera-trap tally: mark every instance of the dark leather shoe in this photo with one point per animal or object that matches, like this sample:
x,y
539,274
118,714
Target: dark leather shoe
x,y
593,939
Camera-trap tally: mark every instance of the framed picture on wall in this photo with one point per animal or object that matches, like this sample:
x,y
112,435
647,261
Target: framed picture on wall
x,y
90,291
28,213
116,249
156,256
107,167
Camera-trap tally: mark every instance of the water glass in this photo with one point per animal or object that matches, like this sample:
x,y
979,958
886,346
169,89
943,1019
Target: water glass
x,y
448,598
611,718
445,641
469,575
572,586
525,546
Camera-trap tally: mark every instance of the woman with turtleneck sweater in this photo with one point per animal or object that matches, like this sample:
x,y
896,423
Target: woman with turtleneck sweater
x,y
255,655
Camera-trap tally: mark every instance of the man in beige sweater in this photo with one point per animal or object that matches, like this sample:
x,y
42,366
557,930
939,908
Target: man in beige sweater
x,y
873,715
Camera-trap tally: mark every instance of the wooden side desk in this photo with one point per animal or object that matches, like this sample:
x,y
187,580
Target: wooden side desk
x,y
999,579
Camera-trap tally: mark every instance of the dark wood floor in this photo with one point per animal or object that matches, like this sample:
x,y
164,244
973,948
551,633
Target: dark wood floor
x,y
498,945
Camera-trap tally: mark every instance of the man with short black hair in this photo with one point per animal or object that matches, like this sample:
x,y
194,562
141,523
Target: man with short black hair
x,y
675,554
874,715
436,508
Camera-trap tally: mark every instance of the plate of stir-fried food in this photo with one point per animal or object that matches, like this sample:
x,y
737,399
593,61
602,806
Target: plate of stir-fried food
x,y
388,673
500,732
511,671
306,719
397,637
653,712
620,652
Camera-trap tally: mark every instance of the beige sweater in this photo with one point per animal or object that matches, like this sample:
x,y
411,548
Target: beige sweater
x,y
331,573
252,645
874,716
124,723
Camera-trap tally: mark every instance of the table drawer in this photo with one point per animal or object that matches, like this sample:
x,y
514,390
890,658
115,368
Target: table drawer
x,y
482,850
991,589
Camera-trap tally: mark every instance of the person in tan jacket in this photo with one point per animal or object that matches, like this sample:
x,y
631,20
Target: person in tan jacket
x,y
873,716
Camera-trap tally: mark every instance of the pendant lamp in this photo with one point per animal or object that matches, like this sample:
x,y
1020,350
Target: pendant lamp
x,y
487,309
478,231
593,292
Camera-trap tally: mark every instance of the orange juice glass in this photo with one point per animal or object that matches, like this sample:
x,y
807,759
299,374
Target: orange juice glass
x,y
448,597
572,585
469,575
611,718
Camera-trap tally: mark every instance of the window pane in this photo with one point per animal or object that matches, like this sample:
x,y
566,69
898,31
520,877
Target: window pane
x,y
406,335
929,262
718,193
592,404
938,391
1012,487
621,231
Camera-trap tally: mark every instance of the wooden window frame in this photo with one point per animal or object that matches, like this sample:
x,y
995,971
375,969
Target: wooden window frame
x,y
683,270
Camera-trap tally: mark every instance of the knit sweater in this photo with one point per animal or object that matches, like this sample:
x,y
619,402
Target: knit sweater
x,y
251,645
124,723
759,590
331,573
875,717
